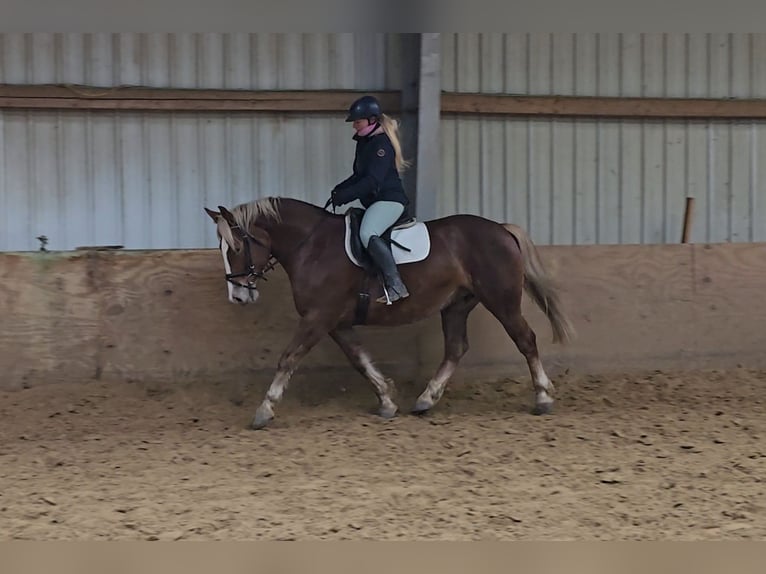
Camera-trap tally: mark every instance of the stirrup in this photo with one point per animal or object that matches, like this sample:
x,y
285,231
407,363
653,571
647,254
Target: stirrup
x,y
386,298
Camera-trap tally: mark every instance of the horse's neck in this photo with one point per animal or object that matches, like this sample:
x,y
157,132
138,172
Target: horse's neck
x,y
296,223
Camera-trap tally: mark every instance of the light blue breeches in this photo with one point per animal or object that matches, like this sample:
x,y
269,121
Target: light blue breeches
x,y
378,217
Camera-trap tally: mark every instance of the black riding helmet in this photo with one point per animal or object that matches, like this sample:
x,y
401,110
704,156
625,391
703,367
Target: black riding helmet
x,y
364,107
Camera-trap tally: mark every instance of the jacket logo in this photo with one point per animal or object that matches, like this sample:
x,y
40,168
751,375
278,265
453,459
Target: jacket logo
x,y
381,152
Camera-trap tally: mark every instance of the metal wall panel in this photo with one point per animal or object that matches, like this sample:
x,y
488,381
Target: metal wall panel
x,y
202,60
142,179
608,181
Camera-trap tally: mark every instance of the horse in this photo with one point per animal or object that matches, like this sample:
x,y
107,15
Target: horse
x,y
449,265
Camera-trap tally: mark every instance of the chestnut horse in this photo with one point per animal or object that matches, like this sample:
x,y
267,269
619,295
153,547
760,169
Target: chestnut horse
x,y
469,260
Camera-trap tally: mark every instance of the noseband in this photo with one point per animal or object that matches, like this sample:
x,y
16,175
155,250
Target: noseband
x,y
251,272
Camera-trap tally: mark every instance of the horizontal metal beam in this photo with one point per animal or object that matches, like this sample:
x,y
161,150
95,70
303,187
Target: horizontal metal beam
x,y
70,97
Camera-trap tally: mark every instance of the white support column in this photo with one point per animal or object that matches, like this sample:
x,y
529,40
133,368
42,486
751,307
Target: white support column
x,y
428,186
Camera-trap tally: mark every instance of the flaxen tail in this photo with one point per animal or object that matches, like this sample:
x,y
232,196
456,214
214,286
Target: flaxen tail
x,y
541,287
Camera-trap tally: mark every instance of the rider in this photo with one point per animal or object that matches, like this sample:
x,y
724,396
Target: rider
x,y
375,182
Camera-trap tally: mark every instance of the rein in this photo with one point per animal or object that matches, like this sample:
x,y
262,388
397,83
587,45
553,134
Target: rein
x,y
252,273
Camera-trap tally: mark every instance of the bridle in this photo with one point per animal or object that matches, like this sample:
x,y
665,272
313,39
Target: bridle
x,y
251,272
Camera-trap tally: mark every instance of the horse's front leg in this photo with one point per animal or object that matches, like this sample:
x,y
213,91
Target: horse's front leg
x,y
305,338
384,387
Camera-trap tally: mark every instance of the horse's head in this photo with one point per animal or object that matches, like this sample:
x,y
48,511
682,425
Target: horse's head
x,y
246,254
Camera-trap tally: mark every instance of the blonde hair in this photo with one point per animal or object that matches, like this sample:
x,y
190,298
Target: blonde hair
x,y
391,127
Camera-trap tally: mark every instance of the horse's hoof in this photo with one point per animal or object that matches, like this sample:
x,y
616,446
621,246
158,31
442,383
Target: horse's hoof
x,y
388,412
542,409
422,406
263,417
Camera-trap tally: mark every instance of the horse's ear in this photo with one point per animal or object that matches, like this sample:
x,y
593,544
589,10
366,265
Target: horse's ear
x,y
226,214
214,215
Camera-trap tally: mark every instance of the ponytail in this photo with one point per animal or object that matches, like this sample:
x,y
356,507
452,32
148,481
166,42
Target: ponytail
x,y
391,127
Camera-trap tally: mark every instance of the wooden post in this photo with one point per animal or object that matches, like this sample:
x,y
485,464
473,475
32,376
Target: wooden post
x,y
687,220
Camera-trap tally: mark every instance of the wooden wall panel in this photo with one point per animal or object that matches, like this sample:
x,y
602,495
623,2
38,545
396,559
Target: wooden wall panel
x,y
163,316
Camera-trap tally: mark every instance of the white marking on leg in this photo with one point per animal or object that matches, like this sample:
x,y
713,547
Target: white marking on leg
x,y
437,384
378,380
277,387
265,411
543,385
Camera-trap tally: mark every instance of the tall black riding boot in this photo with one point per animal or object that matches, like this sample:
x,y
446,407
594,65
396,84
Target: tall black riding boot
x,y
384,259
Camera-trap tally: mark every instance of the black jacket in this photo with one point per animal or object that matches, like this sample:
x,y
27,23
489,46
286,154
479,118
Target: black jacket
x,y
374,175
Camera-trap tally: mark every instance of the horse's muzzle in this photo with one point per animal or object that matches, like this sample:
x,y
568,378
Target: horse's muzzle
x,y
242,295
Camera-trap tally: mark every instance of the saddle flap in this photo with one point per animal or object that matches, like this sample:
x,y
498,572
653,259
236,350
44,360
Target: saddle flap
x,y
354,241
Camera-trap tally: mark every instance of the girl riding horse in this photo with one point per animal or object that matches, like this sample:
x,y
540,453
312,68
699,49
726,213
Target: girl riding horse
x,y
376,183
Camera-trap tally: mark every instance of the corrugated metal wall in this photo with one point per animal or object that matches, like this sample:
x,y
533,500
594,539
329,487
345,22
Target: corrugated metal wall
x,y
607,181
141,179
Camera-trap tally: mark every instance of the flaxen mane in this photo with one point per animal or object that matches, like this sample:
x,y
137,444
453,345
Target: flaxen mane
x,y
245,214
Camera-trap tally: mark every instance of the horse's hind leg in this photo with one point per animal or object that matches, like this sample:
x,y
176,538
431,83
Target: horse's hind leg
x,y
455,330
361,361
506,307
524,337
